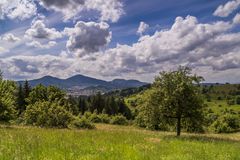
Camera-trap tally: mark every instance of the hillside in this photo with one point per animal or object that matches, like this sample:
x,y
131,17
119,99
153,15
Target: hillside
x,y
84,85
217,97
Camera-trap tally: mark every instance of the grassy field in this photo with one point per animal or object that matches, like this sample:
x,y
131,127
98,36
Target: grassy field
x,y
114,143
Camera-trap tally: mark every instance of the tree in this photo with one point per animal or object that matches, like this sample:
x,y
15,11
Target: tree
x,y
123,108
178,95
26,92
7,100
42,93
20,100
82,105
72,105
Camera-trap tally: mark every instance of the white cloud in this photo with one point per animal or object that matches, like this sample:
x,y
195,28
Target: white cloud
x,y
226,9
17,9
236,19
87,37
10,38
109,10
2,50
40,31
142,28
207,47
37,44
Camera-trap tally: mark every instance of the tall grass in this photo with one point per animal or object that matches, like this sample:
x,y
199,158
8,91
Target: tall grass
x,y
113,143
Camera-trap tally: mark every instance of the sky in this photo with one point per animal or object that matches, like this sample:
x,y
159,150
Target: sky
x,y
130,39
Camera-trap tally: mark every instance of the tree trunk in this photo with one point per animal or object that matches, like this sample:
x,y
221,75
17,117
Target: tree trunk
x,y
178,126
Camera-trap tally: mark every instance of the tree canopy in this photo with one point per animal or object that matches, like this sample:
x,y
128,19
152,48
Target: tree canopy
x,y
175,98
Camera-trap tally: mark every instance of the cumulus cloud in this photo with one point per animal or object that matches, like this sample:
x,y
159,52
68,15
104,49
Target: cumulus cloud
x,y
25,66
236,19
40,31
10,38
142,28
108,10
17,9
37,66
37,44
226,9
87,37
185,43
207,47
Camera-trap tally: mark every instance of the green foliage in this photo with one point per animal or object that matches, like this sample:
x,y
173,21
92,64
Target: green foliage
x,y
119,120
95,118
149,115
104,118
81,123
226,123
20,100
41,93
72,105
47,114
82,105
238,100
175,98
7,100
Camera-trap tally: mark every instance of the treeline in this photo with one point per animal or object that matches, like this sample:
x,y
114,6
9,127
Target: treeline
x,y
175,101
52,107
100,104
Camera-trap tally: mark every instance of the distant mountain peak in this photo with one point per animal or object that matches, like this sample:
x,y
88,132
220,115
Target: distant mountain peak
x,y
81,83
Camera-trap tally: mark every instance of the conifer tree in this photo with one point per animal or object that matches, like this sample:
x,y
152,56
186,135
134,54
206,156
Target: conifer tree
x,y
20,100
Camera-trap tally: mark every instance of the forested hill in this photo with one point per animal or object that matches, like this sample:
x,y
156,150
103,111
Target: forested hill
x,y
83,85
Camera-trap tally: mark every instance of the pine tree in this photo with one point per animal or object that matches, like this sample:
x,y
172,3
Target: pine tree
x,y
26,92
113,106
82,105
20,100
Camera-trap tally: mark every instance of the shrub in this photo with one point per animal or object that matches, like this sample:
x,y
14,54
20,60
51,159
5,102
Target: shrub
x,y
82,123
87,115
226,123
119,120
46,114
104,118
95,118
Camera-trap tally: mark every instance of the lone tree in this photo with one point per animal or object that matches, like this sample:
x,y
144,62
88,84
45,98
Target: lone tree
x,y
180,96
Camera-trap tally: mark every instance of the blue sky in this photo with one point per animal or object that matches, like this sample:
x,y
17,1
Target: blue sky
x,y
104,39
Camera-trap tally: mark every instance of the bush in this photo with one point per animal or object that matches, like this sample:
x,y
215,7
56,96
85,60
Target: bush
x,y
46,114
119,120
95,118
81,123
87,115
104,118
226,123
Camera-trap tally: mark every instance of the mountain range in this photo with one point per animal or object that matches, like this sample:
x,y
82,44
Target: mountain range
x,y
84,85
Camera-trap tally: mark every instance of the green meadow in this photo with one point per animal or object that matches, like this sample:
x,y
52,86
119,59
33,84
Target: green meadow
x,y
108,142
